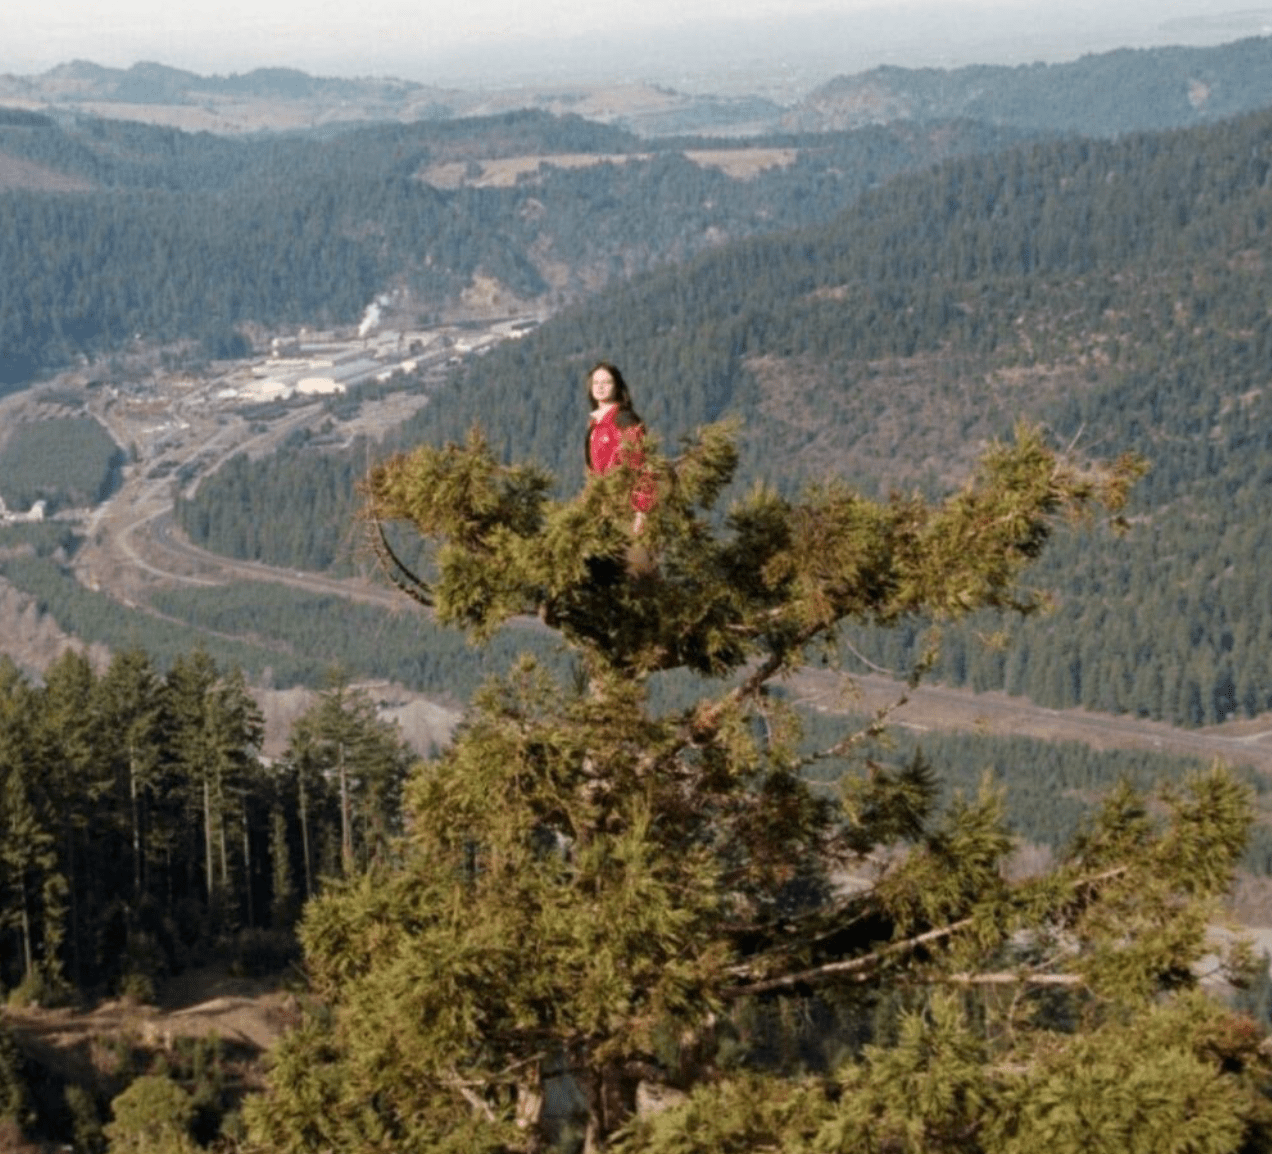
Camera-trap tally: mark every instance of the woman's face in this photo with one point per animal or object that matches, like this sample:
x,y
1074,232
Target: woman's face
x,y
604,390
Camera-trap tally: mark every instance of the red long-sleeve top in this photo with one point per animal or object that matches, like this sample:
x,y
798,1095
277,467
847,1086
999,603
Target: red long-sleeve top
x,y
613,439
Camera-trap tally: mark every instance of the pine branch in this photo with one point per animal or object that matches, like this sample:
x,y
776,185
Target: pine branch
x,y
876,726
704,723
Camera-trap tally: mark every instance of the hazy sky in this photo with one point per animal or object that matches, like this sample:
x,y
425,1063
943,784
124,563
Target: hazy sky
x,y
429,40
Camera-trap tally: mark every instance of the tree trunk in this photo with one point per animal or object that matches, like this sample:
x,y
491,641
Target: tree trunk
x,y
208,865
136,817
346,831
27,959
247,869
73,886
611,1100
529,1108
225,855
304,835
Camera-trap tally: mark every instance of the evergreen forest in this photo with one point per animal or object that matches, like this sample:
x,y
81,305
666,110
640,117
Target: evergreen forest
x,y
145,833
143,830
64,461
175,237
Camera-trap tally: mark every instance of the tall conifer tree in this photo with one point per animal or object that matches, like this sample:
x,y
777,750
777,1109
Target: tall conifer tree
x,y
587,885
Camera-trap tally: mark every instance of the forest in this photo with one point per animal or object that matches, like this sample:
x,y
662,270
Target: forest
x,y
65,461
193,237
1114,290
143,828
146,833
146,828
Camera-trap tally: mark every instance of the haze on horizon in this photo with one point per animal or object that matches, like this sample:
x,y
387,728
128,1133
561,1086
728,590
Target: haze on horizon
x,y
711,45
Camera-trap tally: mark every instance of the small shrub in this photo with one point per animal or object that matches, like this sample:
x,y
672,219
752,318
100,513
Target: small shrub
x,y
38,989
152,1116
201,1062
136,987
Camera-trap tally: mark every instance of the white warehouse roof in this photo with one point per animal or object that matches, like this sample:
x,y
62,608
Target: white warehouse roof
x,y
319,385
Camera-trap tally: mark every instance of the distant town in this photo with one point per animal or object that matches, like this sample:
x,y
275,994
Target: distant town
x,y
176,427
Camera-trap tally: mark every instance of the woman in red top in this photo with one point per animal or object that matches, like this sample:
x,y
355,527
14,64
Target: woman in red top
x,y
615,434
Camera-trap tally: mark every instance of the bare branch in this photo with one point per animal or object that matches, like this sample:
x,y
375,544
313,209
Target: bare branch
x,y
395,569
1007,978
846,743
853,969
479,1104
514,1066
866,660
862,968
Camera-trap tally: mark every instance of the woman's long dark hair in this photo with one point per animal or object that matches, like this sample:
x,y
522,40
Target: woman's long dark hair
x,y
622,395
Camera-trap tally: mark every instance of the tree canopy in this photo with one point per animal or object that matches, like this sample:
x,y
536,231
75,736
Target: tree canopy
x,y
592,898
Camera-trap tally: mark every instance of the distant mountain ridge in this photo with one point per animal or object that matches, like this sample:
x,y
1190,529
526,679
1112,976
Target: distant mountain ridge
x,y
274,99
1097,95
1123,91
150,83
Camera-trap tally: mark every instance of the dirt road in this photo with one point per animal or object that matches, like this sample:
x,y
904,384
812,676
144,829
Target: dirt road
x,y
938,707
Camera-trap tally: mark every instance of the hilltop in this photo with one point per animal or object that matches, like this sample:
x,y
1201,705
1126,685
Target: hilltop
x,y
1098,95
287,100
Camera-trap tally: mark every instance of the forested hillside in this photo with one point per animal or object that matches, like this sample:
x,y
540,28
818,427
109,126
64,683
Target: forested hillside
x,y
278,636
1116,290
145,835
1098,95
143,825
178,236
629,869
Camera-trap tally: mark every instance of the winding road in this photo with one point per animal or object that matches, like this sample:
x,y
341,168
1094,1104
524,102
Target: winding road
x,y
155,544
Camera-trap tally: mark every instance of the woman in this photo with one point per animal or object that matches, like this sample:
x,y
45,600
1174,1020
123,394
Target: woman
x,y
615,434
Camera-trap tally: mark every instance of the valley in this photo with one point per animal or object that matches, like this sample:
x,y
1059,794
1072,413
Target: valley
x,y
180,430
